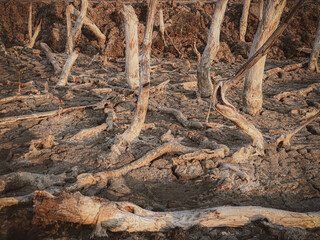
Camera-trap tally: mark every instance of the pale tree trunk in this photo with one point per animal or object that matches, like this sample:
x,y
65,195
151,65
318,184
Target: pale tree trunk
x,y
261,8
132,52
203,71
89,24
73,34
67,68
252,98
313,63
244,20
32,38
126,216
161,24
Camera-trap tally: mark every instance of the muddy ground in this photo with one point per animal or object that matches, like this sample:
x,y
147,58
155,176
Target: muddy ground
x,y
285,178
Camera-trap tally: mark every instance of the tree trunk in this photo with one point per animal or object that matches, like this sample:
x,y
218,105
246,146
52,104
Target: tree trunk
x,y
244,20
313,63
252,98
67,68
132,52
126,216
32,38
205,86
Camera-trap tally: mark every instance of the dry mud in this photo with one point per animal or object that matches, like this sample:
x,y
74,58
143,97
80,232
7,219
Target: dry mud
x,y
285,178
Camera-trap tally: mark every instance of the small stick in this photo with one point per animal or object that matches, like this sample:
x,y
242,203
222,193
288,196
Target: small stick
x,y
172,43
284,140
195,49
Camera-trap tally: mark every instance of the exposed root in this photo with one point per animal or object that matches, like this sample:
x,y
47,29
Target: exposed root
x,y
11,120
199,155
86,179
126,216
228,111
89,132
285,69
284,140
24,97
298,93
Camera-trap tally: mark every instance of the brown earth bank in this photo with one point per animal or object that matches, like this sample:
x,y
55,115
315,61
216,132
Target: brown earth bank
x,y
285,178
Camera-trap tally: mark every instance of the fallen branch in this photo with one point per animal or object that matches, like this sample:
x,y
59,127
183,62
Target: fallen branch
x,y
298,93
288,68
23,98
284,140
54,62
89,132
86,179
14,119
10,201
126,216
202,154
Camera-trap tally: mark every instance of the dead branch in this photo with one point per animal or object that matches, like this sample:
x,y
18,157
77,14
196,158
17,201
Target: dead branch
x,y
32,38
16,180
24,98
202,154
67,68
73,34
229,111
174,46
161,24
125,216
89,132
297,93
288,68
142,105
33,116
51,58
86,179
88,23
284,140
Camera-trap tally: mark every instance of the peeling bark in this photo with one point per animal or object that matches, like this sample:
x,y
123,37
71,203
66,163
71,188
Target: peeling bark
x,y
244,20
126,216
252,98
313,62
205,86
132,52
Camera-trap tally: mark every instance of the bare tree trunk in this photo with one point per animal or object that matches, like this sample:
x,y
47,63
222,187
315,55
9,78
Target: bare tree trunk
x,y
203,71
132,52
252,98
73,34
161,24
244,20
261,8
51,58
126,216
67,68
101,37
32,38
313,63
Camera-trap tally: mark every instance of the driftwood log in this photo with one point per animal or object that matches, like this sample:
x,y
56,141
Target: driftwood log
x,y
126,216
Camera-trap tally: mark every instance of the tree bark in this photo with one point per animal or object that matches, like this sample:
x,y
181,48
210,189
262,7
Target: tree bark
x,y
252,98
244,20
126,216
313,63
261,9
205,86
132,52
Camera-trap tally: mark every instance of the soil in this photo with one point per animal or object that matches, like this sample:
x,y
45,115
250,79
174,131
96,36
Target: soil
x,y
285,178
